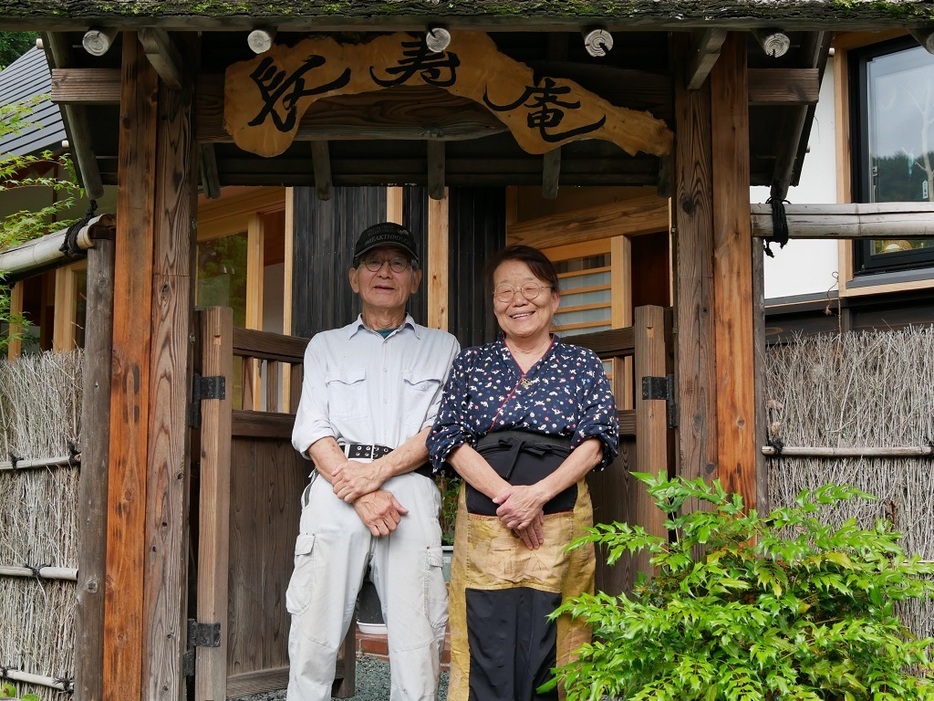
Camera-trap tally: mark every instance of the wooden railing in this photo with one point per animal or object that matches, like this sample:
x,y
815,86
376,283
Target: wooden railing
x,y
270,382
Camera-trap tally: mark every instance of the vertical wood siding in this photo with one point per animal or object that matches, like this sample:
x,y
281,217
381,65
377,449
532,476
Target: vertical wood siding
x,y
478,229
325,233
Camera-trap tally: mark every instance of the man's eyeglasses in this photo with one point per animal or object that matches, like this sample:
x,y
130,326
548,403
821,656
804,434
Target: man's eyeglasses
x,y
530,290
397,264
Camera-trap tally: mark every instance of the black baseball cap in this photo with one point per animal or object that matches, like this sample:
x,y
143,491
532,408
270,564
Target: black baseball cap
x,y
385,234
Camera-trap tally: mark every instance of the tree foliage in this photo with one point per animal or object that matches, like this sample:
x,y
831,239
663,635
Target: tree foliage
x,y
13,45
18,172
749,607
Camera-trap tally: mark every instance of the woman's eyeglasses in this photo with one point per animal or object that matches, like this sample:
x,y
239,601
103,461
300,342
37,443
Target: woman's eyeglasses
x,y
397,264
530,290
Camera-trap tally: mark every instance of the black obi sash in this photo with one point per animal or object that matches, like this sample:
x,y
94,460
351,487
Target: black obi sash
x,y
522,458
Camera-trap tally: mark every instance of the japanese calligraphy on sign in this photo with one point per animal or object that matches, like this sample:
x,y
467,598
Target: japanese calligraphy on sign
x,y
266,97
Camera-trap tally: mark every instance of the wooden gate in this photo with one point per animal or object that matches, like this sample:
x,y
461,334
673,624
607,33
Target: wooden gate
x,y
245,493
246,489
646,440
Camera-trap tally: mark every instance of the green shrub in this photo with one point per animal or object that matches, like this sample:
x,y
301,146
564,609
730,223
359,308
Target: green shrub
x,y
8,693
750,608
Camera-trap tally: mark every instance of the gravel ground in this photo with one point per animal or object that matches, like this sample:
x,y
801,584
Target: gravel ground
x,y
372,683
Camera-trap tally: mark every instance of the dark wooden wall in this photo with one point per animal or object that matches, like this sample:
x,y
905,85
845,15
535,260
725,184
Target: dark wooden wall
x,y
477,220
325,233
415,218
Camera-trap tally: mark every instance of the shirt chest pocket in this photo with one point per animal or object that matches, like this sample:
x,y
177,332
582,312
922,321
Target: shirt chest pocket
x,y
420,382
421,391
347,393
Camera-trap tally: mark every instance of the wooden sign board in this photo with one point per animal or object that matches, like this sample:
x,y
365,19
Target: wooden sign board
x,y
266,97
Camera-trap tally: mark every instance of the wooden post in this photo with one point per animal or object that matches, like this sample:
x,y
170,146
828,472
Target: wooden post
x,y
437,258
130,400
216,325
695,365
732,271
92,481
651,423
15,347
169,452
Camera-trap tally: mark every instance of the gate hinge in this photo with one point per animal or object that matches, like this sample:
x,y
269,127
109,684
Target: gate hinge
x,y
662,388
203,634
188,663
213,387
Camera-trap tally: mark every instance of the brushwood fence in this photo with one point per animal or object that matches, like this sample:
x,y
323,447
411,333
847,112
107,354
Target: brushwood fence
x,y
40,409
862,394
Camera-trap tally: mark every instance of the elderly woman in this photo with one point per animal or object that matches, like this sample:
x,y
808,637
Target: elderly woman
x,y
522,420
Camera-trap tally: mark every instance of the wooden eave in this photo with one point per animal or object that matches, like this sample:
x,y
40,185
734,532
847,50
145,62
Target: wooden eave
x,y
482,15
395,136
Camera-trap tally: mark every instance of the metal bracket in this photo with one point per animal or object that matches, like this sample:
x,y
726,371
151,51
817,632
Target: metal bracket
x,y
188,663
662,388
203,634
212,387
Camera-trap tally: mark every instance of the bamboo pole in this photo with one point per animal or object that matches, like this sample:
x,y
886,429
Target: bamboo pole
x,y
18,675
874,220
866,452
66,574
25,464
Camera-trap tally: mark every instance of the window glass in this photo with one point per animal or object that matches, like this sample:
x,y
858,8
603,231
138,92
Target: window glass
x,y
585,295
896,145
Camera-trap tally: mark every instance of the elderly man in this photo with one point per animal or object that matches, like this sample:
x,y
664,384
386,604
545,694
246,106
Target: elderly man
x,y
370,393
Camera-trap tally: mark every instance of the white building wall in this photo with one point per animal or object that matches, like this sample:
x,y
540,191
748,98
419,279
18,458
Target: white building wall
x,y
808,267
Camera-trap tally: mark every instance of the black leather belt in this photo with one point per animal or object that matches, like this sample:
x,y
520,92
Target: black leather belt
x,y
355,451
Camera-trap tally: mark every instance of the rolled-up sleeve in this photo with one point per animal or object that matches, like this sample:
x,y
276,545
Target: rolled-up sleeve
x,y
597,411
311,418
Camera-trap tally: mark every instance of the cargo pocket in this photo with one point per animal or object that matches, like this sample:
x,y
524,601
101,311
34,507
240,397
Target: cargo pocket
x,y
298,594
436,592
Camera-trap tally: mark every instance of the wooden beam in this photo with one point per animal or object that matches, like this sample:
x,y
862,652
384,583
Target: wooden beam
x,y
210,179
92,487
163,55
551,173
435,161
632,217
702,55
732,272
97,42
86,86
925,38
875,220
127,550
783,86
170,317
793,134
695,363
76,123
321,162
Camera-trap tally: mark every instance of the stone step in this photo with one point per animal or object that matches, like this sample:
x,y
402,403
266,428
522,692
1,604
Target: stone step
x,y
376,645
